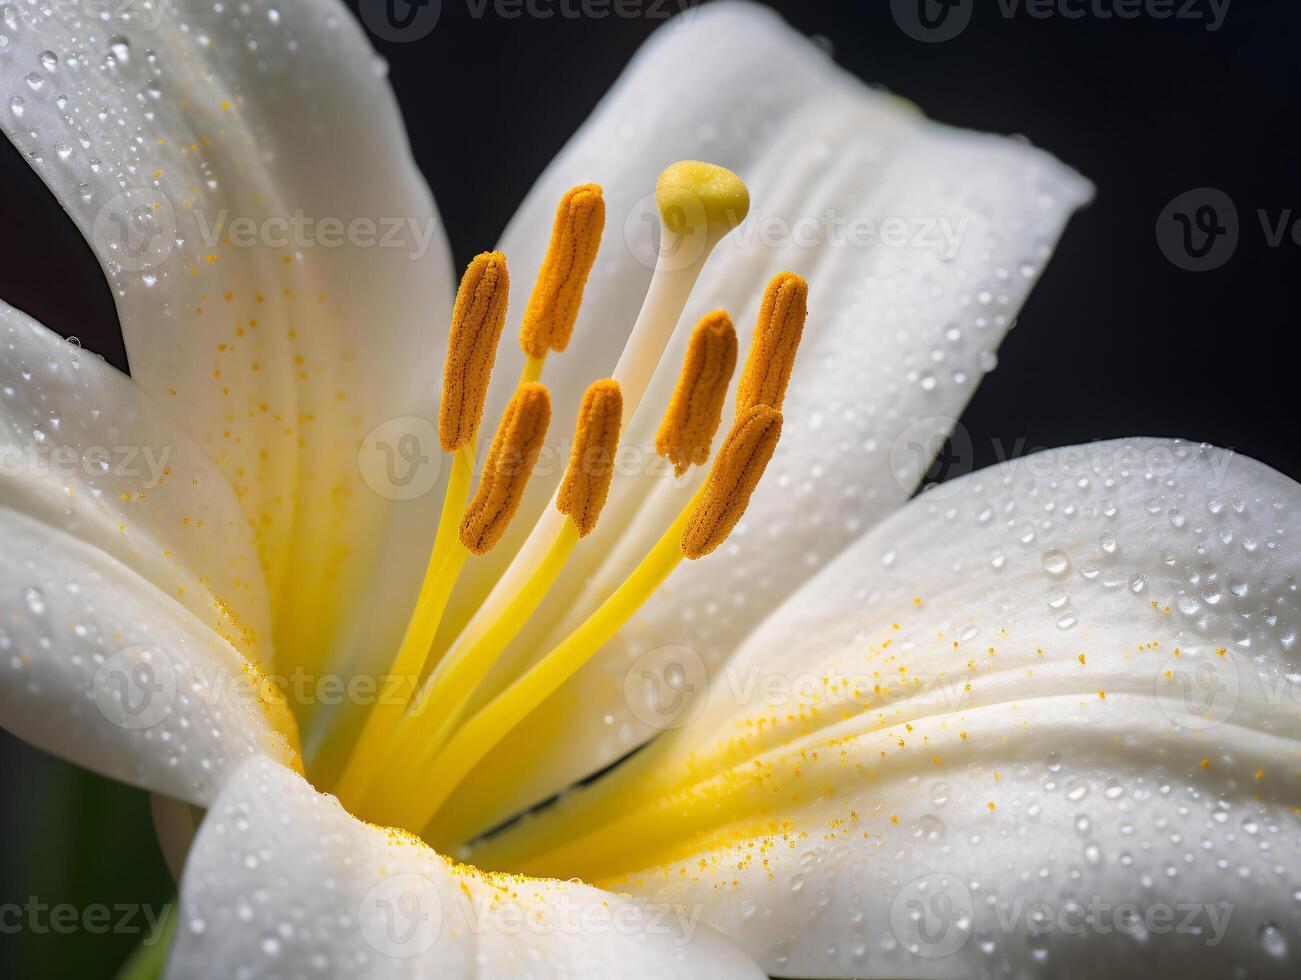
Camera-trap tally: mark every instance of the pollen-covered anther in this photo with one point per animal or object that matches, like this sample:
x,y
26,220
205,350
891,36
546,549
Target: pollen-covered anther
x,y
477,321
591,462
777,335
695,411
511,458
732,479
575,237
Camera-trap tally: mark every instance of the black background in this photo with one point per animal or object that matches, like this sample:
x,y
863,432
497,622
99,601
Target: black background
x,y
1115,341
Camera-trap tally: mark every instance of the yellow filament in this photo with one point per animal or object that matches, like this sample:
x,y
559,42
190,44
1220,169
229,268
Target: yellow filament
x,y
575,237
477,321
776,339
587,479
736,471
441,707
440,575
696,408
532,370
506,472
496,719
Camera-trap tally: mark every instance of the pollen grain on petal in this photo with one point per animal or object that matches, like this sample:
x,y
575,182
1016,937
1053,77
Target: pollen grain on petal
x,y
732,479
511,459
477,321
591,462
777,336
575,237
696,408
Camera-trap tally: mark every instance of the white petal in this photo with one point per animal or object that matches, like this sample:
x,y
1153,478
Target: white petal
x,y
283,882
159,130
899,333
1069,678
99,666
84,449
125,551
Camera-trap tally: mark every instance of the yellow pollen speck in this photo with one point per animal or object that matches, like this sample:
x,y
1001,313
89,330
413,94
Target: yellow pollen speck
x,y
1260,773
587,479
478,317
549,318
695,411
1081,658
1102,694
1206,763
732,479
990,804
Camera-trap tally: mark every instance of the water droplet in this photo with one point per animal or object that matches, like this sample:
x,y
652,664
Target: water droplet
x,y
35,600
49,60
1056,562
1273,941
120,48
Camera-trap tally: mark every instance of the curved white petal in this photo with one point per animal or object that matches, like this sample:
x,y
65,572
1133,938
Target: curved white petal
x,y
281,276
283,882
84,449
128,570
101,667
919,242
1037,700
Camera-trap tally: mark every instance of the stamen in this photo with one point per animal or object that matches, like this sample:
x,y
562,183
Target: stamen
x,y
477,321
776,339
587,479
736,471
575,237
696,408
506,473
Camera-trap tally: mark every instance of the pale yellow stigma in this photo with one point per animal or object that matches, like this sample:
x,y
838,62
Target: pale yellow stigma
x,y
692,196
575,237
591,462
736,471
506,473
696,408
477,321
777,336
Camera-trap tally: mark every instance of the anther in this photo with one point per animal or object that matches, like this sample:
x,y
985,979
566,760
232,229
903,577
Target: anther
x,y
777,335
477,321
591,462
696,408
732,479
506,473
575,237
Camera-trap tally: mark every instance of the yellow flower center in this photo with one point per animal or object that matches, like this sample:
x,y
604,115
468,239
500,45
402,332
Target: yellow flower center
x,y
435,737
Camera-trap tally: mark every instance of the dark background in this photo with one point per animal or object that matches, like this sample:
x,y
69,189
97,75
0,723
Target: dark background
x,y
1116,340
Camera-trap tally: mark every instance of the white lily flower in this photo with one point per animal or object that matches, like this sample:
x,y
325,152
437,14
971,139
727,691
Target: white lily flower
x,y
1041,716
